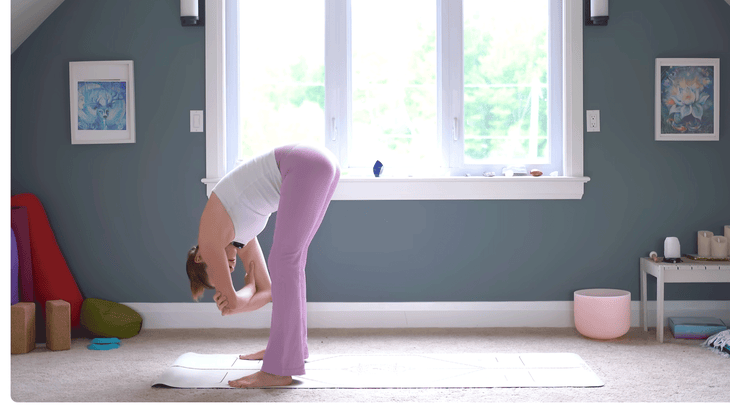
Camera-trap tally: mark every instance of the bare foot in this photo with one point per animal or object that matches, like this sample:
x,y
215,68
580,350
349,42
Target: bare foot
x,y
260,379
255,356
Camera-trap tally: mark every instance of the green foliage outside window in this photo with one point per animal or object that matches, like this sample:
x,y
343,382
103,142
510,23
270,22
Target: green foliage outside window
x,y
505,94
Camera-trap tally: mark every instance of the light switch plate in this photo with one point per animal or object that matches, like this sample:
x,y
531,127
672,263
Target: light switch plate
x,y
196,121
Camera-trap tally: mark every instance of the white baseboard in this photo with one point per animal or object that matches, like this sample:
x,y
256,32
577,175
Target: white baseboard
x,y
412,315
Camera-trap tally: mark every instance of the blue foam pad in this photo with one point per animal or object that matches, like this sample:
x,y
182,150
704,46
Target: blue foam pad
x,y
103,347
104,344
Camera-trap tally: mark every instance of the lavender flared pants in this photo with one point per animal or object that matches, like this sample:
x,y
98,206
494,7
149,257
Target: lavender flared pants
x,y
309,176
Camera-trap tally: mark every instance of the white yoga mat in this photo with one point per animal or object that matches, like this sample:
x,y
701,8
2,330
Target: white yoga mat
x,y
193,370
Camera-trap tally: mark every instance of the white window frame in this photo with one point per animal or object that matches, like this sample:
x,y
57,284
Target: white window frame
x,y
568,186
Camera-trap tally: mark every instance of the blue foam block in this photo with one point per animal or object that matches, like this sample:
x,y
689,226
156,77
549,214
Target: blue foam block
x,y
695,328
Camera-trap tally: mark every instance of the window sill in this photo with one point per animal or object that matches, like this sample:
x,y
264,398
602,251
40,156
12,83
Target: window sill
x,y
461,188
454,188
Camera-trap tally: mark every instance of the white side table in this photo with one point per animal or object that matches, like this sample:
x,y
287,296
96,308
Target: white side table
x,y
688,271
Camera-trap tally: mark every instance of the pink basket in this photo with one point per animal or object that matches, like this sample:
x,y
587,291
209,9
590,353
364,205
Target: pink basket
x,y
602,313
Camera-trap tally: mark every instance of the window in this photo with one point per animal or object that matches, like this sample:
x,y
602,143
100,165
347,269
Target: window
x,y
281,74
436,90
512,90
393,99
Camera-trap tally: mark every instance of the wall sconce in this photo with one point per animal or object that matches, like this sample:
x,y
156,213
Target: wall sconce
x,y
596,12
192,12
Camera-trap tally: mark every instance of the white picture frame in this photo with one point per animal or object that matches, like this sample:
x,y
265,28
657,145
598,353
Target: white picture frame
x,y
102,102
687,99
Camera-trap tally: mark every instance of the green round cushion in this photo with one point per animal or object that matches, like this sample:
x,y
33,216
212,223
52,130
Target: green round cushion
x,y
110,319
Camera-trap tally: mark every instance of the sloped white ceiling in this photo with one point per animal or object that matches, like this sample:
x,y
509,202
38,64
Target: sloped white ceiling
x,y
27,16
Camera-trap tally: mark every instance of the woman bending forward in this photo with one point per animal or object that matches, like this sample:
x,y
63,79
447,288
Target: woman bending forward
x,y
297,181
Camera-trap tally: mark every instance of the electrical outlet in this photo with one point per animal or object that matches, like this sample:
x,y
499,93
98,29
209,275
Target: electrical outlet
x,y
593,120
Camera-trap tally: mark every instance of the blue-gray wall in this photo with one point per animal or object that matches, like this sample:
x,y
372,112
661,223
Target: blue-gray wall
x,y
125,215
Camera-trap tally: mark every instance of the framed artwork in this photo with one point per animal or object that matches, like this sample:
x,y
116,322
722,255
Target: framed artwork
x,y
102,102
687,101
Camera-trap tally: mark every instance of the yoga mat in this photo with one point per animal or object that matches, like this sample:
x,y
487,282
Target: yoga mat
x,y
193,370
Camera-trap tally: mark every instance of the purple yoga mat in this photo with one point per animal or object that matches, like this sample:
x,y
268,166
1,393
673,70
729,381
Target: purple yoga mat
x,y
14,299
19,225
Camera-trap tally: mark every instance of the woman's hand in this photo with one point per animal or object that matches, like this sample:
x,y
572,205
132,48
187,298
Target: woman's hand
x,y
234,306
220,301
243,296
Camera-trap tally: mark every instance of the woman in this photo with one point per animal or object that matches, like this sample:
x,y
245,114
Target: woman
x,y
297,181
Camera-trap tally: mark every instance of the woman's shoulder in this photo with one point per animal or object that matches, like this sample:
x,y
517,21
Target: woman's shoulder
x,y
215,223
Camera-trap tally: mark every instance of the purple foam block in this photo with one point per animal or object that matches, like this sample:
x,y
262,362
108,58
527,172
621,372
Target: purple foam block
x,y
19,225
14,299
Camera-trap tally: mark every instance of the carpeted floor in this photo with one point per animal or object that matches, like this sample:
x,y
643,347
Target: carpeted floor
x,y
634,368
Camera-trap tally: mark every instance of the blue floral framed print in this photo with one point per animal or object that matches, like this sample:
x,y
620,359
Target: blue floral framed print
x,y
687,102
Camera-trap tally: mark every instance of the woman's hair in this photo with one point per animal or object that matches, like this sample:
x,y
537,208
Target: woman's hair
x,y
197,274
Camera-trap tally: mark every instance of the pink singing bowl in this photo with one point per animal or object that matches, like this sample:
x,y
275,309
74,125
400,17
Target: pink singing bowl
x,y
602,313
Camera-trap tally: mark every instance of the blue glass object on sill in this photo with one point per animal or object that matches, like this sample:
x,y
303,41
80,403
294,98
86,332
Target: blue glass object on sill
x,y
378,168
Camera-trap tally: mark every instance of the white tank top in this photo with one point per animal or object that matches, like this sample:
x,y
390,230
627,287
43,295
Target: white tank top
x,y
250,193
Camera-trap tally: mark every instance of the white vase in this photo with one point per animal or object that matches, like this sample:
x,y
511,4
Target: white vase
x,y
671,248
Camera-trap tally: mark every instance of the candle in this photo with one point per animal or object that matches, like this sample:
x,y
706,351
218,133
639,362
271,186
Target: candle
x,y
704,238
719,247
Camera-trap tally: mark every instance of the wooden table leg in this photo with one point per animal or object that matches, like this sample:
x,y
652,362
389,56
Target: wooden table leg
x,y
643,314
660,308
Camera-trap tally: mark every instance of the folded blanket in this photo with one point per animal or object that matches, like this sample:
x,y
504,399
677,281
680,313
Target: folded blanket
x,y
719,343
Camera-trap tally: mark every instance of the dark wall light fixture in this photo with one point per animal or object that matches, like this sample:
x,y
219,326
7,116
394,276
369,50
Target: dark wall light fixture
x,y
192,12
596,12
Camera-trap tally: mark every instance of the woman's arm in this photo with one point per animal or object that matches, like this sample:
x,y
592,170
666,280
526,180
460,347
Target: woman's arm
x,y
220,278
252,258
215,233
261,297
252,253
